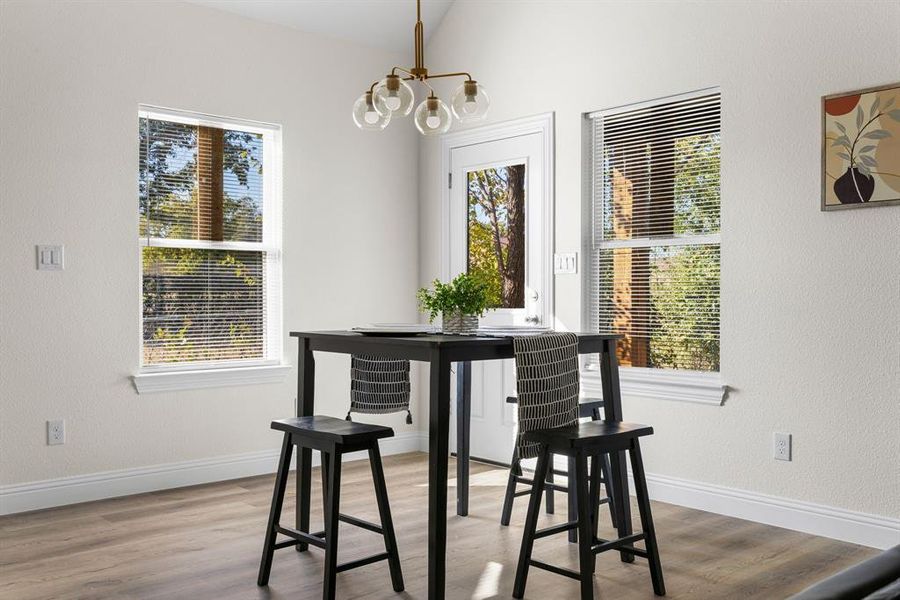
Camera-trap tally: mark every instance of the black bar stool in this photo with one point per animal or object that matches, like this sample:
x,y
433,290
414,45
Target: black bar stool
x,y
600,468
332,437
580,442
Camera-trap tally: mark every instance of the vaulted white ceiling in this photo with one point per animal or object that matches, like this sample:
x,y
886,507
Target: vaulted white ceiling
x,y
384,24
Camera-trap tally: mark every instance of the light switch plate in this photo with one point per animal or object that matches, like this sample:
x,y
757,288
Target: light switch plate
x,y
565,264
50,258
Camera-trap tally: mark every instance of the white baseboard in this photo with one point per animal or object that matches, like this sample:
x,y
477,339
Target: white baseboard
x,y
836,523
110,484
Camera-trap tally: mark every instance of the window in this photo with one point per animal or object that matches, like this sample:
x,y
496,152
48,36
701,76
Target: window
x,y
210,237
656,231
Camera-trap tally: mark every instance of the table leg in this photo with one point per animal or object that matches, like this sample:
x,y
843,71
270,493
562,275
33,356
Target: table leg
x,y
463,426
612,411
438,445
306,379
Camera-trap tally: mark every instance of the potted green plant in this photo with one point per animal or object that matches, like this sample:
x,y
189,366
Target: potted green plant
x,y
459,303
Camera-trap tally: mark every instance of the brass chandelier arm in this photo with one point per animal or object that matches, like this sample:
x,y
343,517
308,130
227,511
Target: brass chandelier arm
x,y
428,85
402,70
439,75
460,74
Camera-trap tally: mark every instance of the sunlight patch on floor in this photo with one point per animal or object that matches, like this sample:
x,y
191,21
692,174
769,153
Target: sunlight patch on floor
x,y
489,582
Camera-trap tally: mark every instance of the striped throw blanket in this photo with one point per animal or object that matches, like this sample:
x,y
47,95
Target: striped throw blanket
x,y
547,385
379,386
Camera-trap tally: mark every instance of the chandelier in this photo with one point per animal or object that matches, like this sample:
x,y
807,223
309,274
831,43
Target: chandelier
x,y
393,97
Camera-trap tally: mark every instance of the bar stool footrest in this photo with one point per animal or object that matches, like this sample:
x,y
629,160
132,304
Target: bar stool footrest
x,y
361,524
547,485
317,538
299,537
540,533
624,543
353,564
554,569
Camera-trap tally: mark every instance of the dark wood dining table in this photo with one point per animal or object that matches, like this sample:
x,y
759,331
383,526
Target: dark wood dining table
x,y
441,352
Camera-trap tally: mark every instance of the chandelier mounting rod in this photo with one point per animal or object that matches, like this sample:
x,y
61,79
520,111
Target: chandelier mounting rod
x,y
419,70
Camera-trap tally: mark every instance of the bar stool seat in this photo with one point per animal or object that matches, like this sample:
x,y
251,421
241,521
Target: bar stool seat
x,y
332,437
582,441
329,430
601,435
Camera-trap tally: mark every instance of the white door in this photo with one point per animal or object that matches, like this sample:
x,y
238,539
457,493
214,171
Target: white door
x,y
497,226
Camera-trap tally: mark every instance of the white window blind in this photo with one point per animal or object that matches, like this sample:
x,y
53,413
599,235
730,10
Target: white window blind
x,y
210,237
655,232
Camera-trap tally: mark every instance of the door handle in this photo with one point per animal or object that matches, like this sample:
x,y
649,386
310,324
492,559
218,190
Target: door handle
x,y
533,319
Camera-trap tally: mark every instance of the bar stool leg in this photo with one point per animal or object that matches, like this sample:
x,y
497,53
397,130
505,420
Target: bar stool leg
x,y
550,500
514,470
284,465
332,516
384,511
573,501
534,508
303,473
622,501
585,538
597,415
643,499
594,494
606,471
324,468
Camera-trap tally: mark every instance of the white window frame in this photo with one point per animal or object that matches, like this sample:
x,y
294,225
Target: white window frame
x,y
167,378
665,384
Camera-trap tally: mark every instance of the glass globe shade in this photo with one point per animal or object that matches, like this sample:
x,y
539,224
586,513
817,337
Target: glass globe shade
x,y
395,95
432,117
369,114
470,102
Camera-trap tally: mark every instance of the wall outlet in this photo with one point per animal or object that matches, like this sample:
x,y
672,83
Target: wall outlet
x,y
56,432
781,449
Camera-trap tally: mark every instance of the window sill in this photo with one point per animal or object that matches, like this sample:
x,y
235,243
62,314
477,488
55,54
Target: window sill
x,y
681,386
173,381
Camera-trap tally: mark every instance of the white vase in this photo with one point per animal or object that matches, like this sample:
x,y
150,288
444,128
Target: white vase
x,y
456,323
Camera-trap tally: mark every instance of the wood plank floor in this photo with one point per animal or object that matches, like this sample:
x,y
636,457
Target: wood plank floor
x,y
205,541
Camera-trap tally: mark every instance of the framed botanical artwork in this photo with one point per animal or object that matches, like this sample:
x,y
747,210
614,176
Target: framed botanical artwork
x,y
861,148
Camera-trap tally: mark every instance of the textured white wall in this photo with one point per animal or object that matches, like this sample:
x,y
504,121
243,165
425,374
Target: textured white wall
x,y
810,317
72,76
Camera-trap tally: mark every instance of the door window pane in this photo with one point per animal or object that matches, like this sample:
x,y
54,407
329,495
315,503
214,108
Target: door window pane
x,y
496,232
